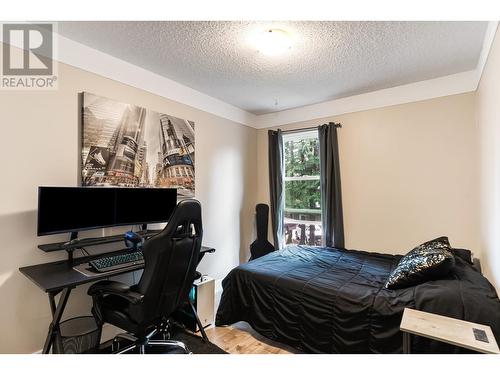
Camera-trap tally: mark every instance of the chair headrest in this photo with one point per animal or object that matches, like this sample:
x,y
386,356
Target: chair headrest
x,y
187,211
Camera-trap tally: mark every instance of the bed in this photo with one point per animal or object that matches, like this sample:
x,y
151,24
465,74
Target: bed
x,y
327,300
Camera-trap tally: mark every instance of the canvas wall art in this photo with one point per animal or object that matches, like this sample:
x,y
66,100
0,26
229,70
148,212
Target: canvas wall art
x,y
131,146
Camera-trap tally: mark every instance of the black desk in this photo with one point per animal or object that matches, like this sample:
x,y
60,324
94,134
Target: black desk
x,y
56,277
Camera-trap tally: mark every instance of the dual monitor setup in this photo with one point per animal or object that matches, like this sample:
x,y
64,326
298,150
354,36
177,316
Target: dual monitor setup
x,y
75,209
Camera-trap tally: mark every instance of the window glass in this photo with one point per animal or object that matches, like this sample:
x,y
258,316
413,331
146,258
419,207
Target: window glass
x,y
302,188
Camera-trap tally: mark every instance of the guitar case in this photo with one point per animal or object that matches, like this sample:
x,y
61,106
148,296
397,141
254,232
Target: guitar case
x,y
261,246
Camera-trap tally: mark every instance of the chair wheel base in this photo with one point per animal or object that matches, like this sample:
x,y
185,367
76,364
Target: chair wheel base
x,y
135,343
142,348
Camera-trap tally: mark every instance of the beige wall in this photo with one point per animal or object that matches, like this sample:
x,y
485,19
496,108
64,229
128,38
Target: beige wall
x,y
40,147
488,119
409,174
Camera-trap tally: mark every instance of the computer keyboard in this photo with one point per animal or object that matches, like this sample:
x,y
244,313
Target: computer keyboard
x,y
116,262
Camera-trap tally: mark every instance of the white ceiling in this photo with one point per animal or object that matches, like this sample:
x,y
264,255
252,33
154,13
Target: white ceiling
x,y
329,60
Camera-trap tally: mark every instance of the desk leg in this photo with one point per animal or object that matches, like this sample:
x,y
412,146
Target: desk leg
x,y
406,343
52,302
57,312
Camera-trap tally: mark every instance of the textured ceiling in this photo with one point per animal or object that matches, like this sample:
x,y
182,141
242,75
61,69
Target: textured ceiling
x,y
328,60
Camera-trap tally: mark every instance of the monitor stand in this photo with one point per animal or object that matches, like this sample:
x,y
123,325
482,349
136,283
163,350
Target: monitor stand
x,y
73,239
72,244
76,243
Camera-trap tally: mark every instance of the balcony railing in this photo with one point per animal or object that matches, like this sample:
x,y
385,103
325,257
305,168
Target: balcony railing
x,y
303,226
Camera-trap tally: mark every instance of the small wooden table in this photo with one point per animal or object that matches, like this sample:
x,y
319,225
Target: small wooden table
x,y
452,331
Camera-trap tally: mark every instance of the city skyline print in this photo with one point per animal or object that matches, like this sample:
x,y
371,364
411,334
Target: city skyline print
x,y
131,146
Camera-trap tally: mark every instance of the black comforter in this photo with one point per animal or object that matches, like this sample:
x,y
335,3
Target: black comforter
x,y
327,300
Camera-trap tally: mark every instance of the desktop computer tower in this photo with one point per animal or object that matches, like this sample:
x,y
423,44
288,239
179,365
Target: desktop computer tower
x,y
205,299
202,295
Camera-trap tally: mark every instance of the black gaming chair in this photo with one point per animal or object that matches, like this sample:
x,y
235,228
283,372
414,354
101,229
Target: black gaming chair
x,y
170,258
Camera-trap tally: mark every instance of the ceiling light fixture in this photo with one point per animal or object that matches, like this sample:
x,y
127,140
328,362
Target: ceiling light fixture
x,y
273,42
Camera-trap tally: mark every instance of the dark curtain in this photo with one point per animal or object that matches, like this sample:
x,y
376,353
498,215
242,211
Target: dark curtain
x,y
331,194
276,167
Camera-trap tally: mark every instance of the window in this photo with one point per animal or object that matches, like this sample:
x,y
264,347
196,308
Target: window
x,y
302,188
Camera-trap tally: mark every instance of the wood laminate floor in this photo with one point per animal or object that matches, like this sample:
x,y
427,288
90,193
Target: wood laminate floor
x,y
240,338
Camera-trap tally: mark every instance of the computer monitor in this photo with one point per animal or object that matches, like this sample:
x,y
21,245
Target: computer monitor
x,y
74,209
137,205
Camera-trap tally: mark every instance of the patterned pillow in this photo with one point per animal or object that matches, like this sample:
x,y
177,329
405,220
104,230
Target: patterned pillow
x,y
430,260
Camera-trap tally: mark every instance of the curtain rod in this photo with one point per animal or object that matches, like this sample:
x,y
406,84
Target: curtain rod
x,y
337,125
